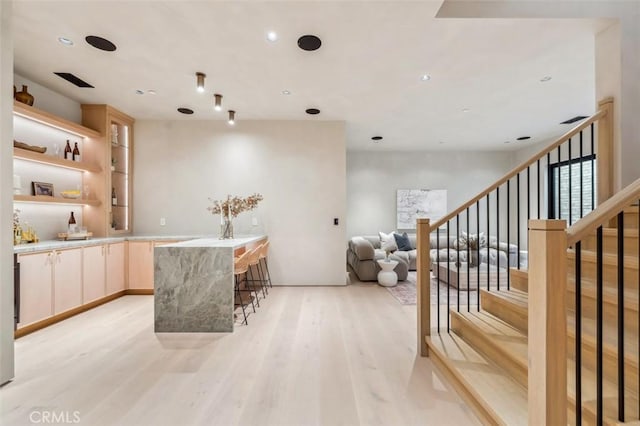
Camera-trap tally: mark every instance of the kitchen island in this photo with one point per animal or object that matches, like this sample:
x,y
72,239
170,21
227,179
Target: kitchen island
x,y
194,284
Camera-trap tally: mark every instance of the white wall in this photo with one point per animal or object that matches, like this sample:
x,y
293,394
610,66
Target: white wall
x,y
48,100
374,177
298,166
6,201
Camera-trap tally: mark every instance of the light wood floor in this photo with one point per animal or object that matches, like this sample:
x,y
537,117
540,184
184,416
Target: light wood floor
x,y
310,356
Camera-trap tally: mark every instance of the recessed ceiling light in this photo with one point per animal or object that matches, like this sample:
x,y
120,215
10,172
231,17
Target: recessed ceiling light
x,y
524,138
151,92
286,92
507,142
376,139
309,43
466,110
272,36
65,41
425,77
139,92
313,111
545,78
100,43
187,111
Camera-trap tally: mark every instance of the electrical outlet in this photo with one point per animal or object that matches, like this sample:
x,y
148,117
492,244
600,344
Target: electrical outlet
x,y
163,221
254,221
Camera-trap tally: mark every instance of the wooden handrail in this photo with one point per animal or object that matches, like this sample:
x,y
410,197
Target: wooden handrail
x,y
559,141
604,212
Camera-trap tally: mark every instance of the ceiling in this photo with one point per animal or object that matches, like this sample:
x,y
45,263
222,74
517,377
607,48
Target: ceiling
x,y
367,71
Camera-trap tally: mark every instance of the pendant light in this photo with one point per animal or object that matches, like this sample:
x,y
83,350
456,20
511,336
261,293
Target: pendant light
x,y
200,81
218,102
232,117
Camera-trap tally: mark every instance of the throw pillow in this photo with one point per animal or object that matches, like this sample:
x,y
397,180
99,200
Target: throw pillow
x,y
402,241
387,242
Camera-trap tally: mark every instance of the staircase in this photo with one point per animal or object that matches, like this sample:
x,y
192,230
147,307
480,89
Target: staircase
x,y
485,354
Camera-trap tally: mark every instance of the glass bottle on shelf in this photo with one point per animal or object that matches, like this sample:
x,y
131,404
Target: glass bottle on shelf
x,y
73,227
67,151
76,153
114,199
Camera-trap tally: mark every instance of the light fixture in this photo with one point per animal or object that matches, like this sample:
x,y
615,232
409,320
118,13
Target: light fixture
x,y
376,139
286,92
200,81
272,36
545,78
218,102
425,77
466,110
139,92
151,92
232,117
65,41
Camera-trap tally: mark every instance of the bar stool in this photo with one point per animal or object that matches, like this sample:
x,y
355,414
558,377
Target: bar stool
x,y
240,268
264,252
254,260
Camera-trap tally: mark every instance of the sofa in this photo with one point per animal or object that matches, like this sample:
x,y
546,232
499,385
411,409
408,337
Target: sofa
x,y
363,252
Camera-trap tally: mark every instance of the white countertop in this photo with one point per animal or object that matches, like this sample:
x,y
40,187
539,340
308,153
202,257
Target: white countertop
x,y
213,242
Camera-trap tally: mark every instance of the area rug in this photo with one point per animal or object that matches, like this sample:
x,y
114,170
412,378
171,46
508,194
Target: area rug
x,y
405,292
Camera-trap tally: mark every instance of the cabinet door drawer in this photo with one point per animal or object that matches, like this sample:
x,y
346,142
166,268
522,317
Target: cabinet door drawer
x,y
115,268
93,273
36,287
67,280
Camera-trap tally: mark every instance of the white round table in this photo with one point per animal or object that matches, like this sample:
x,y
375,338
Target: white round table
x,y
387,277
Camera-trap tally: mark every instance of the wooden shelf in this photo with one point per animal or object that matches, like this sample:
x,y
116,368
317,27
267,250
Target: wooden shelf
x,y
54,200
51,120
36,157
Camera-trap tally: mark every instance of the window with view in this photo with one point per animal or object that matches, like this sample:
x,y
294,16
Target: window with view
x,y
572,189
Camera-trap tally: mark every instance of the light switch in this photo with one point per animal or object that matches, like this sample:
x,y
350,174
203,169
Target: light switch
x,y
163,221
254,221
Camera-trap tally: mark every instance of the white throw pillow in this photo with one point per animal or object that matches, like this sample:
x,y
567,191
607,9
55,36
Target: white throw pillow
x,y
387,242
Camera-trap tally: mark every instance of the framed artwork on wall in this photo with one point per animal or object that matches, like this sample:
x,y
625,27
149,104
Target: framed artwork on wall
x,y
419,203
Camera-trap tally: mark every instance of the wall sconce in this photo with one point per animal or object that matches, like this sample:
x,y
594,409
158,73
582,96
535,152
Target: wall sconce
x,y
200,81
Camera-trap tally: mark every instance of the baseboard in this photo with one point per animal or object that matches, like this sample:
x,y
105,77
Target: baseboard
x,y
139,292
28,329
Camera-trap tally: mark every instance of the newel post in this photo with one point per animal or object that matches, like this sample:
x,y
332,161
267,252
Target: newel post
x,y
604,153
547,386
423,285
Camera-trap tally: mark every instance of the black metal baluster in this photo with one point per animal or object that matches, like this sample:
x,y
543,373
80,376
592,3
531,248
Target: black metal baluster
x,y
570,221
468,263
621,316
438,275
478,251
581,180
578,350
509,233
559,216
528,207
518,216
458,261
488,239
497,241
538,179
448,274
551,196
599,314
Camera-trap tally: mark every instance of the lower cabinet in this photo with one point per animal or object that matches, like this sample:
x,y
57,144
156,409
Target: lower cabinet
x,y
115,268
67,280
36,287
141,264
93,273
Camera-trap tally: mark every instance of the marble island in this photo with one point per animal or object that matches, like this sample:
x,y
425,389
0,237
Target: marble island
x,y
194,284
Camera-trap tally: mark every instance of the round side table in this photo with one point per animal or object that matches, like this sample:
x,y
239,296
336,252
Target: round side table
x,y
387,277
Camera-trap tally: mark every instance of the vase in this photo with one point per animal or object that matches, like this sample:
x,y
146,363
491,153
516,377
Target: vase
x,y
226,230
24,96
473,261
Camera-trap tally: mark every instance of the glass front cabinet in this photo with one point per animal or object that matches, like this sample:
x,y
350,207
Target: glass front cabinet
x,y
118,130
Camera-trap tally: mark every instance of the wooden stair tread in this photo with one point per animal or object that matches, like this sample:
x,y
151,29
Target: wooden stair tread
x,y
630,262
519,298
508,338
489,385
610,294
609,333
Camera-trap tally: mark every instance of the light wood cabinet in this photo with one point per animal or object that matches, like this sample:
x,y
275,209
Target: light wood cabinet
x,y
141,264
67,280
36,287
93,273
115,268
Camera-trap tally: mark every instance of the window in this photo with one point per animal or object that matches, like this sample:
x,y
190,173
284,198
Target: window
x,y
572,189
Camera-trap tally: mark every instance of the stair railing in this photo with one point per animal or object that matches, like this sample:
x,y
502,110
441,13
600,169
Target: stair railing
x,y
615,272
475,245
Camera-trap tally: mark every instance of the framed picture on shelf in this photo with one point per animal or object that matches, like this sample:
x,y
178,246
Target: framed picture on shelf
x,y
42,188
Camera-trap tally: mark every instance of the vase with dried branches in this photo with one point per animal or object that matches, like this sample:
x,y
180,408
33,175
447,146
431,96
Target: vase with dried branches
x,y
230,208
